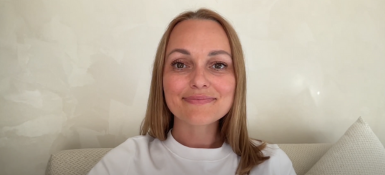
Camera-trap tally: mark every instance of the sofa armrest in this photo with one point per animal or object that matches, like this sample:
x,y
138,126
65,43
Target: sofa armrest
x,y
74,162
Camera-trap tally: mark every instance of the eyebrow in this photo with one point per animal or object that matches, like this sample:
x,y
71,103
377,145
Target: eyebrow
x,y
212,53
217,52
182,51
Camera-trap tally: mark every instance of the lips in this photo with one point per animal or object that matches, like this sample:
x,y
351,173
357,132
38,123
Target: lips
x,y
199,99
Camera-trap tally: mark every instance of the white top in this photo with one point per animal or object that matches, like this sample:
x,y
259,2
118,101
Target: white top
x,y
146,155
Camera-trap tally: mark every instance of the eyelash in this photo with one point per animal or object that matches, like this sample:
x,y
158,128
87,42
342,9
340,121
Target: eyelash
x,y
176,62
218,62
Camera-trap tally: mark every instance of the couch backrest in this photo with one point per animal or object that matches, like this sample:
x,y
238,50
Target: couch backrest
x,y
74,162
81,161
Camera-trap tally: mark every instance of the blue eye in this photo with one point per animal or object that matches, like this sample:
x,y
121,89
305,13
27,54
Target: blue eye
x,y
219,66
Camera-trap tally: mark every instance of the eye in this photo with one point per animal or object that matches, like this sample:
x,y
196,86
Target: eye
x,y
219,66
178,65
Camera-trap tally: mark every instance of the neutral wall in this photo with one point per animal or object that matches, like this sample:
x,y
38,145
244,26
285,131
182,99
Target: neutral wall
x,y
76,73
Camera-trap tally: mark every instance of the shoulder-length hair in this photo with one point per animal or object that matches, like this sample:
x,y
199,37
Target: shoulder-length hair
x,y
159,119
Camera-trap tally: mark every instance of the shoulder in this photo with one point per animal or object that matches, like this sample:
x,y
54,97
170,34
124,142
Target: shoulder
x,y
115,161
278,163
133,144
271,150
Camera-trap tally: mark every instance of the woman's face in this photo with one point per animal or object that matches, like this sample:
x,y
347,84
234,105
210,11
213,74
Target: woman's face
x,y
198,77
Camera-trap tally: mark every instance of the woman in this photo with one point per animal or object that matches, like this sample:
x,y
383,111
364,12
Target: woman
x,y
196,114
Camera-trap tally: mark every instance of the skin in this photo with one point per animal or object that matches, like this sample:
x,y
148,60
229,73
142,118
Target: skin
x,y
198,81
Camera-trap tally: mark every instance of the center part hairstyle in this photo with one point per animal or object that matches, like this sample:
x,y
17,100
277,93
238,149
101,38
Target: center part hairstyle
x,y
159,119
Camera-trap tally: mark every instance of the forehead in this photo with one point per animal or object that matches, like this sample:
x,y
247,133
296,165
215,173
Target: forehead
x,y
198,34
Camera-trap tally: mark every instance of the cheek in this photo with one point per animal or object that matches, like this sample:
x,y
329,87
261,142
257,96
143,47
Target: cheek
x,y
173,86
226,86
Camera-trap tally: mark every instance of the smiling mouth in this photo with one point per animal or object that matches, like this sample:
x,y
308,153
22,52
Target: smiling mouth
x,y
199,99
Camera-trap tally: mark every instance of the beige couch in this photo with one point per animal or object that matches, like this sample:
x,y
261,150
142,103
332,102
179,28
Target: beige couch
x,y
80,161
357,152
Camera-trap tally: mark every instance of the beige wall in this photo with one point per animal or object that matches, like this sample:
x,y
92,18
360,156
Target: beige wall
x,y
76,73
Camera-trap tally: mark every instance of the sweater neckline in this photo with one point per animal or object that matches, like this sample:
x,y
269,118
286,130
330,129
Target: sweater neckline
x,y
199,154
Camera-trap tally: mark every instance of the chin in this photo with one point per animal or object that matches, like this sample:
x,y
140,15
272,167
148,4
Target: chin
x,y
200,120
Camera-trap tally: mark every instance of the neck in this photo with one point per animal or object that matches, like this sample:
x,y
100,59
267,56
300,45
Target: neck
x,y
206,136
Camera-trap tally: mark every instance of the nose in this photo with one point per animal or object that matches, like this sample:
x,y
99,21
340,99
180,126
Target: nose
x,y
199,79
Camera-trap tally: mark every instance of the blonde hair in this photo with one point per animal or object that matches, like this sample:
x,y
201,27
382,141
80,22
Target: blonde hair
x,y
233,129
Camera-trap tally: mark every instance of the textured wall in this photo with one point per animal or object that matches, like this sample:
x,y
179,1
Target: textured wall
x,y
76,73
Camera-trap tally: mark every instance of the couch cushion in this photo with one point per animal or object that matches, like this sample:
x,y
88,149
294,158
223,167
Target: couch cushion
x,y
358,151
74,162
304,156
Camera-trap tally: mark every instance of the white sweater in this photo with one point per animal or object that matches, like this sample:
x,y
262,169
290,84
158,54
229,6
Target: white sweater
x,y
144,155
